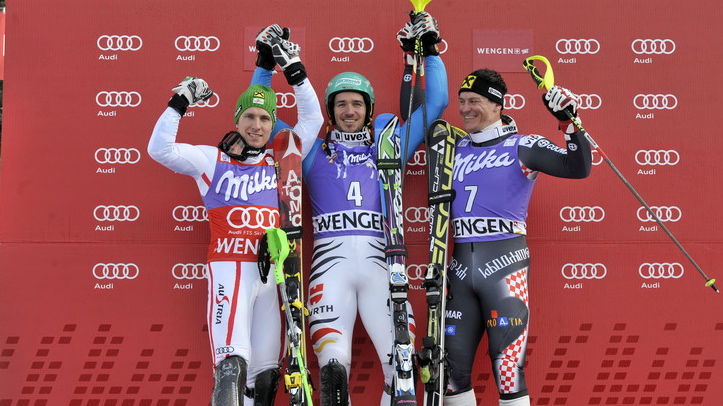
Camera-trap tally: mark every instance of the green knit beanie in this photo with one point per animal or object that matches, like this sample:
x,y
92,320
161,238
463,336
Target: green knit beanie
x,y
257,96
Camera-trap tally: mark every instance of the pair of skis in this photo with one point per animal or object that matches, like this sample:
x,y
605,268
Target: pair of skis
x,y
284,247
440,160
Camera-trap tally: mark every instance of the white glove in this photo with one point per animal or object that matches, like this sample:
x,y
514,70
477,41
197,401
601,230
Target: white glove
x,y
558,99
285,52
194,90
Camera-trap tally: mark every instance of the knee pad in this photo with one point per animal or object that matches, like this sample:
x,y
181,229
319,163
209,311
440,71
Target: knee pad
x,y
229,381
334,386
267,382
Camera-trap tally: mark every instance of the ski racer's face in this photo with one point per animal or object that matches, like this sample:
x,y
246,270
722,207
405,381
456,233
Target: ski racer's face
x,y
477,111
349,111
255,126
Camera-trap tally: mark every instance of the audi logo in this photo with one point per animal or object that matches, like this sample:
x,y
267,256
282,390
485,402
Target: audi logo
x,y
582,214
190,213
116,271
189,271
252,217
514,101
664,213
211,102
119,42
418,159
663,270
653,46
116,213
577,46
354,45
590,101
117,155
197,43
657,157
443,49
655,101
285,100
584,271
416,272
417,214
118,99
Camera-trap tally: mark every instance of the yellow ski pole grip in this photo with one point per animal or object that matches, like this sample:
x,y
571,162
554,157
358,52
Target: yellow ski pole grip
x,y
548,80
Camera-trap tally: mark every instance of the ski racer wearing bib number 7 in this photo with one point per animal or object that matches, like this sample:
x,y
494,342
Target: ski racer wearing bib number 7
x,y
348,270
494,173
237,183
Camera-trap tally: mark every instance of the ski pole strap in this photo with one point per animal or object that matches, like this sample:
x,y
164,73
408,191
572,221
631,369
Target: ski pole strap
x,y
293,233
385,163
395,251
441,196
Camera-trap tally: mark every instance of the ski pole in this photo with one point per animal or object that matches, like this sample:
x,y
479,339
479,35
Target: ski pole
x,y
417,76
547,82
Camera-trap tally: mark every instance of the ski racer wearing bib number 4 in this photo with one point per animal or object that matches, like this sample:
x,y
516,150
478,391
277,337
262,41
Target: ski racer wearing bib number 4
x,y
237,182
348,270
494,173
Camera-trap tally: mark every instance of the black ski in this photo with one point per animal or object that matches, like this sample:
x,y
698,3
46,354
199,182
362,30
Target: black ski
x,y
440,144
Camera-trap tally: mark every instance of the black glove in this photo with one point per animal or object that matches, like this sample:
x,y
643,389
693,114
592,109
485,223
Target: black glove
x,y
265,57
286,54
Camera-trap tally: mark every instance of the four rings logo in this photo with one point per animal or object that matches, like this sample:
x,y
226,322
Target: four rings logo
x,y
252,217
189,271
590,101
418,159
285,100
190,213
657,157
582,214
514,101
115,271
211,102
663,270
584,271
577,46
197,43
116,213
417,214
118,99
416,272
117,155
664,213
119,42
354,44
653,46
655,101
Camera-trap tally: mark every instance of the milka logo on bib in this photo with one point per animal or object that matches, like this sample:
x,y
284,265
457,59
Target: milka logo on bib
x,y
473,163
240,187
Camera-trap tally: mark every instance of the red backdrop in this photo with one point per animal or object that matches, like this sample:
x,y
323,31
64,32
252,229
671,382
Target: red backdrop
x,y
102,296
